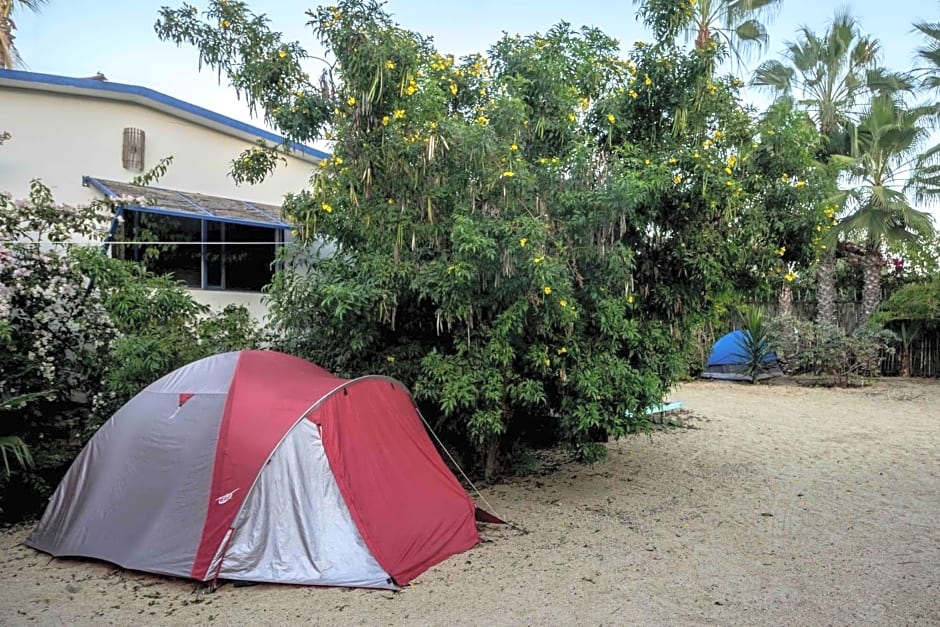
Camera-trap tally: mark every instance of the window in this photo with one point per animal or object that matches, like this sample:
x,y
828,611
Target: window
x,y
205,254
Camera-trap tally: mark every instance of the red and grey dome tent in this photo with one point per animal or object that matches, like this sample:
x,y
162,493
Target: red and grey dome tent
x,y
259,466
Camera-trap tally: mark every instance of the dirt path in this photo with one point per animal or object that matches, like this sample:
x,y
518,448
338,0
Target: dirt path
x,y
782,506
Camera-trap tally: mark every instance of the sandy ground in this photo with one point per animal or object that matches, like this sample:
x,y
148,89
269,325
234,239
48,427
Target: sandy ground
x,y
780,505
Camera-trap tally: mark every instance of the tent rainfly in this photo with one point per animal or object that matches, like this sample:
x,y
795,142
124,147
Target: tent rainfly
x,y
259,466
728,361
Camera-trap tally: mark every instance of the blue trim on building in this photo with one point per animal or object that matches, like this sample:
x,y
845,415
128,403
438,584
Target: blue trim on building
x,y
158,98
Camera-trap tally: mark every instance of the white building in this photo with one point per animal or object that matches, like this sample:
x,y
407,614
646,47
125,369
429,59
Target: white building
x,y
88,138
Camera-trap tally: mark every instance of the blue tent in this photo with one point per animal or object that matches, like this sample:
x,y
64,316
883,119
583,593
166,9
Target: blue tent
x,y
727,360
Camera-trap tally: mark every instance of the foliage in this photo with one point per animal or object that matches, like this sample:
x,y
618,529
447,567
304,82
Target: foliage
x,y
910,311
55,334
885,147
828,353
80,334
526,238
9,55
731,25
754,346
832,76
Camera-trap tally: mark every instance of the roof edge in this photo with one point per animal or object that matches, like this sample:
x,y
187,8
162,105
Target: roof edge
x,y
20,79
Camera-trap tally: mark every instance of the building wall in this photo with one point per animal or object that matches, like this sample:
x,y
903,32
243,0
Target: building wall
x,y
217,300
59,138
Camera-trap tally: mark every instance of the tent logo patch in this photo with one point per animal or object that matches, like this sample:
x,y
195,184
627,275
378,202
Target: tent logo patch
x,y
225,498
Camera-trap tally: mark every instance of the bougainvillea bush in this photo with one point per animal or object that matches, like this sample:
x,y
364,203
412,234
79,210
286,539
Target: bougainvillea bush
x,y
81,333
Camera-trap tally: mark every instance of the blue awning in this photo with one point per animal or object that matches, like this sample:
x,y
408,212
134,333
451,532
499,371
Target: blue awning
x,y
188,204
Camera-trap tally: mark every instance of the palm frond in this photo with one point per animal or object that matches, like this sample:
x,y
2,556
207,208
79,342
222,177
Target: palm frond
x,y
13,447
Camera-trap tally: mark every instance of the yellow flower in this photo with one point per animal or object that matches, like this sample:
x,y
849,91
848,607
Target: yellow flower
x,y
226,23
483,120
630,299
800,184
410,90
696,155
646,162
563,302
338,160
547,290
450,269
789,276
729,183
727,170
611,118
433,125
453,88
584,102
513,148
509,174
385,120
391,201
718,135
672,160
572,117
326,207
390,65
732,161
351,101
648,80
823,247
782,250
562,350
323,163
633,93
399,114
538,260
523,242
282,54
390,359
547,362
677,179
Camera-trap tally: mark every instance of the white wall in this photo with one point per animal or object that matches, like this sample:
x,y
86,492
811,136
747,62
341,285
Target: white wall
x,y
59,138
217,300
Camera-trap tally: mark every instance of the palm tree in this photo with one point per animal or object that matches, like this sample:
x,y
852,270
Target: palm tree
x,y
882,169
735,23
9,56
831,76
929,54
928,75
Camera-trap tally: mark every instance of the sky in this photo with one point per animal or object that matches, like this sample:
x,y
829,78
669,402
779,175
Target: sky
x,y
78,39
72,38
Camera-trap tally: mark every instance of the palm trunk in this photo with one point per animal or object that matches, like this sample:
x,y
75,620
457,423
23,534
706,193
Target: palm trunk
x,y
785,302
871,286
826,290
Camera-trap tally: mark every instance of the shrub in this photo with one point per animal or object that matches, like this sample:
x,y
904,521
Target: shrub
x,y
80,334
828,352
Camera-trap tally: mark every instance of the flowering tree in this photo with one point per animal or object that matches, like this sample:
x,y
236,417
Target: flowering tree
x,y
525,237
54,335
